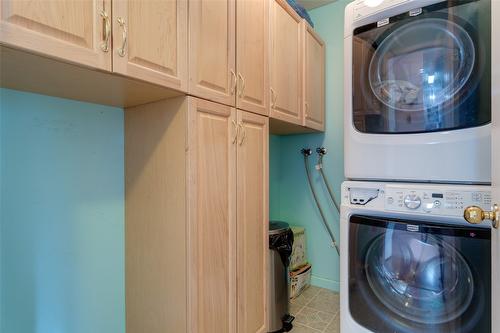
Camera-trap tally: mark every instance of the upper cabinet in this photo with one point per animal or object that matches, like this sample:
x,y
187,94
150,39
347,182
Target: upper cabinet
x,y
150,41
252,55
286,63
314,79
255,55
229,51
74,31
140,39
212,45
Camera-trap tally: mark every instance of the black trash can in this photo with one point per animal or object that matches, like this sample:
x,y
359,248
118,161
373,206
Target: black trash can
x,y
280,249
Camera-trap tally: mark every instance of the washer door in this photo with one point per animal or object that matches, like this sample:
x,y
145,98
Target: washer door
x,y
422,65
405,276
419,277
424,71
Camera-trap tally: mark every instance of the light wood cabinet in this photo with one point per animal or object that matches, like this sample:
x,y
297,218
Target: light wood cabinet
x,y
73,31
212,216
212,49
286,63
141,39
156,238
252,55
150,41
252,217
196,218
314,79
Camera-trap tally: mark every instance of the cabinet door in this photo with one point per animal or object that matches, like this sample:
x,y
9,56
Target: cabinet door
x,y
252,55
150,41
252,225
286,63
212,217
314,79
212,38
73,31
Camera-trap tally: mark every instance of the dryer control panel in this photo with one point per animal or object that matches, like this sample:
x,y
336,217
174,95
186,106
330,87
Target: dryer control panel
x,y
435,201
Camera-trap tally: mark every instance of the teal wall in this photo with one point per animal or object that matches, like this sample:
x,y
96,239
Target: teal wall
x,y
61,216
291,198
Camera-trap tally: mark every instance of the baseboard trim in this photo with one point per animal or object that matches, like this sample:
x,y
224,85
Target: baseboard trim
x,y
325,283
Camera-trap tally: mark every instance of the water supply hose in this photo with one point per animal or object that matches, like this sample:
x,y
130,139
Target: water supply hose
x,y
307,153
322,152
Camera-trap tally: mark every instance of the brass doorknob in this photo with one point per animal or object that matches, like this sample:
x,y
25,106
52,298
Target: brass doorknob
x,y
476,215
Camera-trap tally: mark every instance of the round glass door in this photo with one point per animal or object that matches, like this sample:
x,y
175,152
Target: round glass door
x,y
422,64
419,277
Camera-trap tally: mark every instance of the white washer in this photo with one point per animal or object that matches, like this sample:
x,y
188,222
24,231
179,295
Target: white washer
x,y
418,90
410,263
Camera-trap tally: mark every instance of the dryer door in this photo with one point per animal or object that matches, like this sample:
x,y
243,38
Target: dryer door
x,y
405,276
424,71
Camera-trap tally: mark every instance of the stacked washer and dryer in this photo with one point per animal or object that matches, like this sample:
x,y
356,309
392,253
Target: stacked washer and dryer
x,y
417,153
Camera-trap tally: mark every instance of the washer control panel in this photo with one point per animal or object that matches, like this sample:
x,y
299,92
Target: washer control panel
x,y
434,201
363,9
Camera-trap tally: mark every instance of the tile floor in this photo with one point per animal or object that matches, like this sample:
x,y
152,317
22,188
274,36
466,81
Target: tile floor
x,y
316,310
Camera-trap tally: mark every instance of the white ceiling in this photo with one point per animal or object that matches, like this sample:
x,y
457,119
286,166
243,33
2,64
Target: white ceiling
x,y
310,4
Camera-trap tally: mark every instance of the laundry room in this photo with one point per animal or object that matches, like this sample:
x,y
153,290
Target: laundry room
x,y
249,166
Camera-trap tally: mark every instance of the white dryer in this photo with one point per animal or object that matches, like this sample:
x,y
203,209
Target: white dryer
x,y
418,90
410,263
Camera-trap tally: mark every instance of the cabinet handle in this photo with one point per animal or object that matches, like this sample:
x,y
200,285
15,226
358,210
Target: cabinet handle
x,y
244,135
274,97
233,82
236,131
307,109
242,88
107,31
121,50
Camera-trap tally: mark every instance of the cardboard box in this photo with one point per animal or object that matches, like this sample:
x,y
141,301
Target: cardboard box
x,y
300,280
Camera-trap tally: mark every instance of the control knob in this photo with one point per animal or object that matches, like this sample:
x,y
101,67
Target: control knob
x,y
412,201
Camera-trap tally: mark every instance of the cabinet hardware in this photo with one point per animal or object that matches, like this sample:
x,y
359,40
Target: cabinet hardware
x,y
244,133
236,131
274,97
107,31
242,88
233,82
121,50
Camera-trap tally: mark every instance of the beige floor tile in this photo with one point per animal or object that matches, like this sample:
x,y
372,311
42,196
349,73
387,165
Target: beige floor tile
x,y
295,308
298,328
313,318
334,326
306,296
326,301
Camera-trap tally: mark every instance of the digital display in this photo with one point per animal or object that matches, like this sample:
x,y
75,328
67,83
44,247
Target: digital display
x,y
437,195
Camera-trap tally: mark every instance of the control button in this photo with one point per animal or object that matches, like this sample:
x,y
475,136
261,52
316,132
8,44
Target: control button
x,y
390,200
412,201
437,203
428,207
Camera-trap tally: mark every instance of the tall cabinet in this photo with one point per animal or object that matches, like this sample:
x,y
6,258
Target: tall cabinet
x,y
252,222
196,217
211,200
